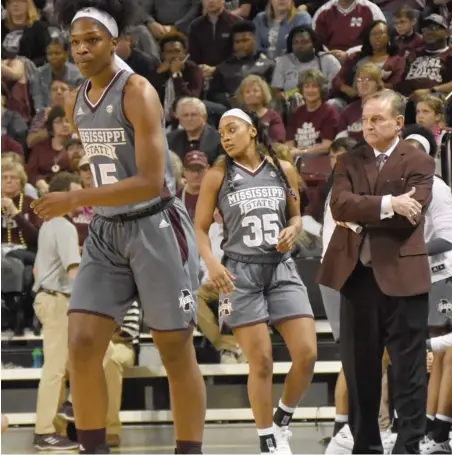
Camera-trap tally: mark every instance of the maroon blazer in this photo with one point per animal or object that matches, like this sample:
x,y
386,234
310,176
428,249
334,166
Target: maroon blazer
x,y
399,253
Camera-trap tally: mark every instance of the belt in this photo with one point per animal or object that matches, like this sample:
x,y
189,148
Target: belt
x,y
50,292
138,214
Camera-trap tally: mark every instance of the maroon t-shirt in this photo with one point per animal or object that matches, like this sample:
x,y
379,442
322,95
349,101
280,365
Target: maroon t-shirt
x,y
276,129
351,120
309,128
338,29
189,201
426,70
45,162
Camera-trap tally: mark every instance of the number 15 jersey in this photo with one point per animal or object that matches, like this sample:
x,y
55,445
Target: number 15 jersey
x,y
109,141
255,212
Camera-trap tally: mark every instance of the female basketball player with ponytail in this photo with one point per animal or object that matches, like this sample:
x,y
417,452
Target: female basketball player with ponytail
x,y
257,196
141,243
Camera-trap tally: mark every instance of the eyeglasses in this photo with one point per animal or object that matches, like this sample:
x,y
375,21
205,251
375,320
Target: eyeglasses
x,y
432,27
364,79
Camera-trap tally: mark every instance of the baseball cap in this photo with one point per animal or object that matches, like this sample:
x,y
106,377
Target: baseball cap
x,y
195,158
436,19
84,160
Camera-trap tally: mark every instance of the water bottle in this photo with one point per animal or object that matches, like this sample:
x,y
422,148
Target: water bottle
x,y
37,358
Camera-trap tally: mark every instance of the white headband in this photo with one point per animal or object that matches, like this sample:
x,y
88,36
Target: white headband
x,y
422,140
100,16
239,114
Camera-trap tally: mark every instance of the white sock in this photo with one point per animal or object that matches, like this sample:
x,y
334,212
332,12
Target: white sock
x,y
341,418
444,418
265,431
429,417
286,408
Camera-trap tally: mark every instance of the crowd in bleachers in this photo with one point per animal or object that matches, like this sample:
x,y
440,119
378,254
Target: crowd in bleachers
x,y
304,68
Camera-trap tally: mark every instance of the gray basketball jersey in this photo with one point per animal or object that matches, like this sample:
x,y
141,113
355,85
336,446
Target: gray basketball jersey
x,y
255,212
109,141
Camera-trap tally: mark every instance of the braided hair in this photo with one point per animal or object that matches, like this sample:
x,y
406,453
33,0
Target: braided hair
x,y
264,141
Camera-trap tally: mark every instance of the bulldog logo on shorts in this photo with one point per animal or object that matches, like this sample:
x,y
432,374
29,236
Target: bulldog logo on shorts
x,y
186,301
225,308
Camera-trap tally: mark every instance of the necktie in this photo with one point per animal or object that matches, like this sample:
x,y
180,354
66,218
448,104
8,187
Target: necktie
x,y
365,255
381,160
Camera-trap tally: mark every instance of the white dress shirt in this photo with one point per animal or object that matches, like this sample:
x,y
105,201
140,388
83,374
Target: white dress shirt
x,y
386,202
438,225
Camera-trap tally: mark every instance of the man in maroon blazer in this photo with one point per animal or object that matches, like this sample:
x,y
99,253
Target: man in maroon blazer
x,y
382,273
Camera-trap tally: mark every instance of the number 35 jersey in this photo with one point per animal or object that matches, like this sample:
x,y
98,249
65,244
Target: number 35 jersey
x,y
255,212
109,142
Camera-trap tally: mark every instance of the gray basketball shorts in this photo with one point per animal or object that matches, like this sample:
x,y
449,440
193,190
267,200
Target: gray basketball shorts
x,y
440,295
153,259
263,293
331,302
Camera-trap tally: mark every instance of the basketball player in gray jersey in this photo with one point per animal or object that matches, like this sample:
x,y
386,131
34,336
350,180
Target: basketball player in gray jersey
x,y
141,243
258,199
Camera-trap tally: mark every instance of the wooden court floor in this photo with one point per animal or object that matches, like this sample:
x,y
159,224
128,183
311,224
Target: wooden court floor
x,y
218,439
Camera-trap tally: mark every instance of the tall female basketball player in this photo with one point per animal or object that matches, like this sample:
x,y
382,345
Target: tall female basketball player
x,y
258,200
141,243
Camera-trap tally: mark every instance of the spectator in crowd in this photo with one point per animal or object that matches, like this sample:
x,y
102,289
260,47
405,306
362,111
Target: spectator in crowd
x,y
22,31
163,16
13,125
178,169
29,190
275,23
56,267
377,49
19,223
177,76
208,295
143,64
430,114
195,167
406,39
368,81
38,130
49,157
57,68
20,228
195,133
10,145
254,94
209,38
119,356
15,78
75,152
244,61
430,68
84,170
304,52
313,126
339,23
240,8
